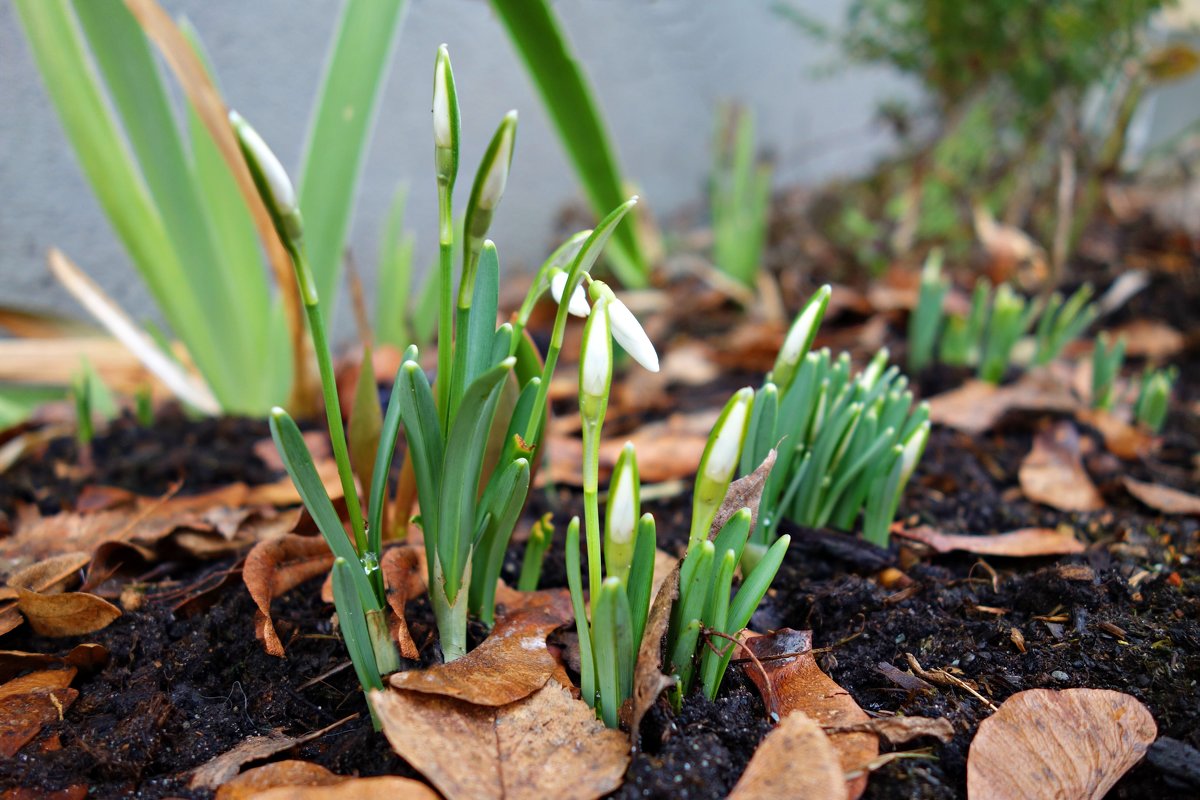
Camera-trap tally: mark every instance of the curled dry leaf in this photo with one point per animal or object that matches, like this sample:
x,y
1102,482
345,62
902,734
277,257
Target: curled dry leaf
x,y
30,702
898,730
794,760
404,572
1044,743
546,745
1015,544
648,679
290,773
1151,339
83,657
1053,473
50,575
794,682
69,614
273,568
511,664
380,787
976,406
224,767
1163,498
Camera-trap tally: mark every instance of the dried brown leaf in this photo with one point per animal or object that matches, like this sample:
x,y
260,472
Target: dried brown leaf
x,y
1151,339
1122,439
898,730
69,614
50,575
648,679
1053,473
794,682
511,664
23,716
794,760
1015,544
274,567
86,657
380,787
290,773
546,745
1163,498
224,767
1043,743
404,572
745,492
976,406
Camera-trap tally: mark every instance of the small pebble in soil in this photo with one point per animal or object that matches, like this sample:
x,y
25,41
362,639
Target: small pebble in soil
x,y
1060,676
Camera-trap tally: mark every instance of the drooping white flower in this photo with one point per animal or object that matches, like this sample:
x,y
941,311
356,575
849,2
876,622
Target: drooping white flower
x,y
278,184
727,448
595,372
628,333
579,304
622,518
443,126
496,177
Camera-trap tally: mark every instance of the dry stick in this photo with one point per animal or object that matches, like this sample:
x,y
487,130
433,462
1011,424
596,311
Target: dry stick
x,y
772,700
326,674
943,678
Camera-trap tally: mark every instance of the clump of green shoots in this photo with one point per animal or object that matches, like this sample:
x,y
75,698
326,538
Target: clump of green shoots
x,y
708,615
469,500
1107,358
1154,397
740,198
848,442
988,335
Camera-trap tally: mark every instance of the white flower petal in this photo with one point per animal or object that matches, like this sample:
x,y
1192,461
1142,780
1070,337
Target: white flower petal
x,y
497,172
630,335
620,508
727,449
579,304
596,372
442,129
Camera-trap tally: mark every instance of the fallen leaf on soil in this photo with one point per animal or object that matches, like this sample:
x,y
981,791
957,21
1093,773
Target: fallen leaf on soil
x,y
48,576
648,679
404,572
976,406
1122,439
290,773
69,614
224,767
546,745
77,792
1053,473
380,787
1044,743
274,567
1148,338
745,492
85,657
511,664
1015,544
898,730
1163,498
796,683
31,701
796,759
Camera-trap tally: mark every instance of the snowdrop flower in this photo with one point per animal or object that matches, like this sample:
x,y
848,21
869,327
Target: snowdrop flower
x,y
630,335
443,123
726,449
496,172
595,368
272,179
800,337
579,304
912,451
622,499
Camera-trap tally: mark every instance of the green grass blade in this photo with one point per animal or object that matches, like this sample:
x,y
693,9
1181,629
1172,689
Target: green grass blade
x,y
501,504
539,40
641,575
587,668
338,134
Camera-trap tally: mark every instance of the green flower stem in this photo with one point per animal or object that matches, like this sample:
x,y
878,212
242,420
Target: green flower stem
x,y
591,504
333,411
451,617
445,343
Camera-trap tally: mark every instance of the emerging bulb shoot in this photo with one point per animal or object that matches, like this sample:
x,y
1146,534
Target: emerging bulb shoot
x,y
727,448
496,175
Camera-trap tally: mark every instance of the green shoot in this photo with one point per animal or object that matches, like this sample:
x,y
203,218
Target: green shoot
x,y
739,197
143,407
1154,397
81,395
926,320
1107,358
1061,323
1011,317
541,535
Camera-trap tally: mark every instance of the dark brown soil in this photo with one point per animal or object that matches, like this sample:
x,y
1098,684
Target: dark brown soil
x,y
1125,615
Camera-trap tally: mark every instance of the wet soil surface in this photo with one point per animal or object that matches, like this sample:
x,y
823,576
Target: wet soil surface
x,y
1125,615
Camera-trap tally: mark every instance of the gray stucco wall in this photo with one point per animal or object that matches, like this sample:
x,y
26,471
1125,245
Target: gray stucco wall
x,y
659,68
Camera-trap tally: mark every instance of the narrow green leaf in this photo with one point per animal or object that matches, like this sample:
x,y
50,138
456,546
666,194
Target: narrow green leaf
x,y
641,575
339,131
605,623
538,38
503,500
587,669
422,429
352,620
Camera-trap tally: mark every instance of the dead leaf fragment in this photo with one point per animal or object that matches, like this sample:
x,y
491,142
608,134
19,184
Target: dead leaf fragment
x,y
404,573
69,614
511,664
795,683
85,657
794,760
274,567
546,745
648,679
290,773
1015,544
1122,439
1149,338
898,730
976,406
1163,498
30,702
1053,473
50,575
1044,743
221,769
303,780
